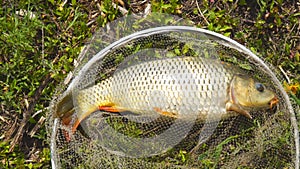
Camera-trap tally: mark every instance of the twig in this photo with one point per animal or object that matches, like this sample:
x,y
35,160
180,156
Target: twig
x,y
124,11
68,78
147,10
64,3
248,21
121,2
37,126
28,112
11,130
121,9
285,75
91,22
201,13
233,6
38,112
43,42
3,119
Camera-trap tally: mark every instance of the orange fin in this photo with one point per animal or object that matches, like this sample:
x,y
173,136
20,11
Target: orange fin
x,y
75,125
67,136
233,107
73,129
165,113
108,108
112,109
66,122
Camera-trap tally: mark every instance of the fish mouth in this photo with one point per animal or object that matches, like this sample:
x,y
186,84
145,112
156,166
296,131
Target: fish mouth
x,y
273,102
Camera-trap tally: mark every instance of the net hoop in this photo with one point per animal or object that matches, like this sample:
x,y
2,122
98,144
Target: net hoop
x,y
212,35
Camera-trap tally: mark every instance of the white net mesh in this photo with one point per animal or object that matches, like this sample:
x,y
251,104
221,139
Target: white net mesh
x,y
156,98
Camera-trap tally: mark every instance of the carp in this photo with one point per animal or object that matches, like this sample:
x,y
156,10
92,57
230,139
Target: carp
x,y
179,87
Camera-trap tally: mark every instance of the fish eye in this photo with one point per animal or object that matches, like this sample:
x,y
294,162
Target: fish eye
x,y
259,87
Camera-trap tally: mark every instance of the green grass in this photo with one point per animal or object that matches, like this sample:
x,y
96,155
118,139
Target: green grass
x,y
36,48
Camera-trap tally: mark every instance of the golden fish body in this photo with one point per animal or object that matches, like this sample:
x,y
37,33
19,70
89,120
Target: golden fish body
x,y
180,87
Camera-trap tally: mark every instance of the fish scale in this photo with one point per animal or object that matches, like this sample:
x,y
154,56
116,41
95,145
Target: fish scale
x,y
185,86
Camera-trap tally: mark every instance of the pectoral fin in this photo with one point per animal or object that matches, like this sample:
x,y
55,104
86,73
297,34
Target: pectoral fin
x,y
233,107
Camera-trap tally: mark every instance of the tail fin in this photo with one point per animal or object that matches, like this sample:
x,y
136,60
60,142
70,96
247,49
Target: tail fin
x,y
65,110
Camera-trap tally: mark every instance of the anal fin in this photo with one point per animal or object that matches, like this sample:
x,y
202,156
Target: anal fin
x,y
166,113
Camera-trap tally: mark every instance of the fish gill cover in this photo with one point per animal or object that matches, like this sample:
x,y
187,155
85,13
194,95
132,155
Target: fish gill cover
x,y
156,92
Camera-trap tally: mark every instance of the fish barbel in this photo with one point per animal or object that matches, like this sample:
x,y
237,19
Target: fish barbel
x,y
179,87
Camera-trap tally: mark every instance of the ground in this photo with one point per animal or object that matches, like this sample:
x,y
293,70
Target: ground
x,y
41,40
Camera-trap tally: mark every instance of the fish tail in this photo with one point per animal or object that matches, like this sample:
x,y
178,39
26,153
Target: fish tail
x,y
66,121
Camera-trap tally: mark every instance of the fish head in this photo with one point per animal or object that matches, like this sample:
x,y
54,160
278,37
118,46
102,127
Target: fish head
x,y
249,93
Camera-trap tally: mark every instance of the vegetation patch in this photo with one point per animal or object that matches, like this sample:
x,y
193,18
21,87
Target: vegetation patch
x,y
41,40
